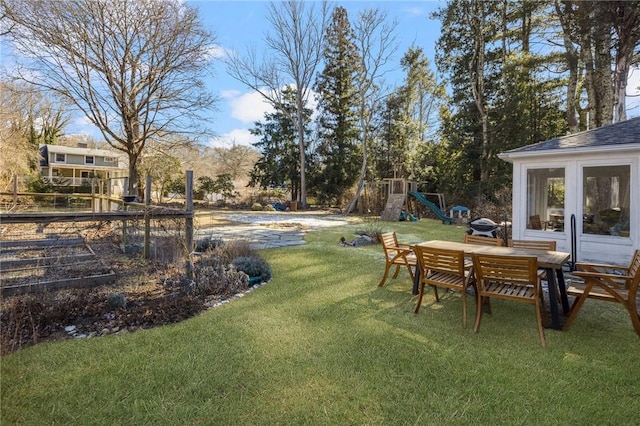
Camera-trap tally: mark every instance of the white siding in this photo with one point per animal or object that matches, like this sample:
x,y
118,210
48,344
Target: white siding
x,y
598,248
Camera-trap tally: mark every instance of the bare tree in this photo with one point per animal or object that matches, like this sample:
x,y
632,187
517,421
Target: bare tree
x,y
162,166
377,43
17,153
296,45
5,25
27,118
133,67
235,161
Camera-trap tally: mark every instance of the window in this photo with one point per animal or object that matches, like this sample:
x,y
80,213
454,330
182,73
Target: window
x,y
61,158
88,159
109,159
606,194
545,199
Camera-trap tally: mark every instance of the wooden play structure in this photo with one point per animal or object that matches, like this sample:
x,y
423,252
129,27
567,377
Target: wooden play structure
x,y
402,194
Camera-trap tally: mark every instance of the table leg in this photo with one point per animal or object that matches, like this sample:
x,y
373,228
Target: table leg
x,y
553,299
416,280
563,291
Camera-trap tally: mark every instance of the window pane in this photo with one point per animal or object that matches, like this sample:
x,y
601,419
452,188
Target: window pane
x,y
61,158
545,199
89,159
606,194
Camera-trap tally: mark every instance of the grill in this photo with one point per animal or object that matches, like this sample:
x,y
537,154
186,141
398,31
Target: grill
x,y
483,226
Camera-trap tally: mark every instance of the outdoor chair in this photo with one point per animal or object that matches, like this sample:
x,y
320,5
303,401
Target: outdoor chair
x,y
482,241
396,254
611,283
479,239
443,268
535,222
534,244
513,278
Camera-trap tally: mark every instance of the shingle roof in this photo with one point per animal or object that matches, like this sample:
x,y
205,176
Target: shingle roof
x,y
81,151
616,134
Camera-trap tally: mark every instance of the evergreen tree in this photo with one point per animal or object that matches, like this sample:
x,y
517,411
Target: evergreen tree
x,y
503,95
423,94
391,150
408,121
279,149
338,149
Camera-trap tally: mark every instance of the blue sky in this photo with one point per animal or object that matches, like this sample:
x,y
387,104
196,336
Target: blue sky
x,y
240,24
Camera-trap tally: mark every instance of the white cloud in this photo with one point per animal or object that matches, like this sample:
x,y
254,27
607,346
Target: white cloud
x,y
230,93
217,51
415,11
82,125
234,137
248,107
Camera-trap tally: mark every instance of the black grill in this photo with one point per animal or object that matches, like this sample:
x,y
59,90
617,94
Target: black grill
x,y
483,226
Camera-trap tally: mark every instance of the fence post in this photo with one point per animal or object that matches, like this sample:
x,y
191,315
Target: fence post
x,y
93,195
109,195
124,208
189,222
147,218
15,191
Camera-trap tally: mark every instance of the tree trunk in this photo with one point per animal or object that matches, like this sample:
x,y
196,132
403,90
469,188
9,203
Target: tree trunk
x,y
627,22
572,58
133,176
620,88
303,162
363,172
603,77
476,75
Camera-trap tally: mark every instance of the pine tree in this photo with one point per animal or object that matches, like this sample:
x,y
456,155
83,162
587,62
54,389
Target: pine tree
x,y
338,150
278,165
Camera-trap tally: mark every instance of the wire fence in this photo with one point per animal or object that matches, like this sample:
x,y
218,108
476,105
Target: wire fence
x,y
51,241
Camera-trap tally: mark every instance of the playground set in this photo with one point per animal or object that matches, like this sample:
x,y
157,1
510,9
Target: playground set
x,y
402,196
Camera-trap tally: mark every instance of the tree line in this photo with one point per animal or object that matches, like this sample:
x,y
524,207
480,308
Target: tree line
x,y
505,74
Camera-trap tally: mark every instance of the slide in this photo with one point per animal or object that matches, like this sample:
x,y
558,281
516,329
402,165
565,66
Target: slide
x,y
441,215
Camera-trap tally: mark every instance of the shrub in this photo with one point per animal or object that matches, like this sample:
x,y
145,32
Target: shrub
x,y
40,185
253,266
372,229
233,249
213,277
205,244
117,300
256,207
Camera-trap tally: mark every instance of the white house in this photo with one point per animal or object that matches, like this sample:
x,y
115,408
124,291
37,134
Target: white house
x,y
77,166
582,190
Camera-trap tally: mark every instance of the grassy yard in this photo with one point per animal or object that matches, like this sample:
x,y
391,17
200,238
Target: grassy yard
x,y
322,344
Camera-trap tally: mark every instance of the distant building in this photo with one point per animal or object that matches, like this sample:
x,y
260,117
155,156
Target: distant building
x,y
79,166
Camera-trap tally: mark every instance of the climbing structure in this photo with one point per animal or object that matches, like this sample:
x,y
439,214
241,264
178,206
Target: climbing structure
x,y
396,199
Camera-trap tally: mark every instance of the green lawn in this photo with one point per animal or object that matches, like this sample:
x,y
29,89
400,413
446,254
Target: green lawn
x,y
322,344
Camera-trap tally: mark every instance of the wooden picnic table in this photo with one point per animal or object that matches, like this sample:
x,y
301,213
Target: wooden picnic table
x,y
552,261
